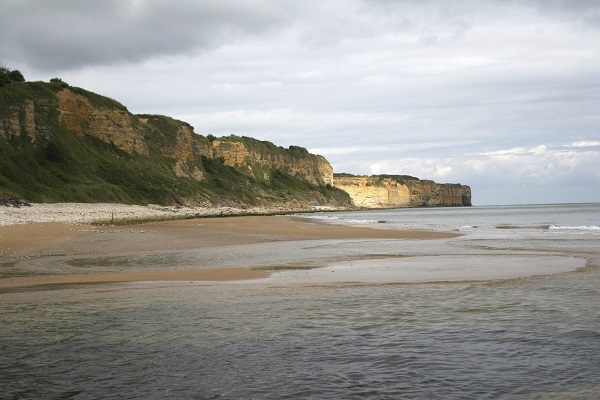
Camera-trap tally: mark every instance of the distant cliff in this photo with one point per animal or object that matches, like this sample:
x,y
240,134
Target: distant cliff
x,y
60,143
386,191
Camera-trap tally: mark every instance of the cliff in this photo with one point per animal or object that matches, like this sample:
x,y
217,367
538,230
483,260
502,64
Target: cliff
x,y
257,157
64,144
61,143
402,191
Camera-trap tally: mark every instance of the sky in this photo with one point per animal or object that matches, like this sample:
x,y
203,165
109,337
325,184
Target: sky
x,y
501,95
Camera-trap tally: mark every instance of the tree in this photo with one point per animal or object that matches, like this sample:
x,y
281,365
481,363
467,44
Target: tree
x,y
58,81
7,76
16,76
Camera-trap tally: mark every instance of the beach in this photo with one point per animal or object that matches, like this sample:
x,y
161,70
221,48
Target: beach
x,y
475,302
114,213
35,239
54,245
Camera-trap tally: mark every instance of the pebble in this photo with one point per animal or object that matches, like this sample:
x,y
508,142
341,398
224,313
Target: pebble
x,y
90,213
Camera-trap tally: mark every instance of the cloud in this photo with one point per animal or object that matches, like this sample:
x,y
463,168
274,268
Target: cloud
x,y
72,34
586,143
516,169
491,93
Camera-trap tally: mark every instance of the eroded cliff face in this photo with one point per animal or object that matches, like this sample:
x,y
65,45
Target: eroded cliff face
x,y
127,133
150,135
19,120
108,124
182,146
36,111
376,192
313,168
430,194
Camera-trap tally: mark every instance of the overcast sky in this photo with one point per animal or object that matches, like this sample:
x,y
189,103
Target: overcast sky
x,y
501,95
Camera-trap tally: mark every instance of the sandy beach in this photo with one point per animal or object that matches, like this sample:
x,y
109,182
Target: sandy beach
x,y
73,237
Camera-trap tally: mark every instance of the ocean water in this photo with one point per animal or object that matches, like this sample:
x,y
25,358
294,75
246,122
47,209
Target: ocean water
x,y
531,333
571,218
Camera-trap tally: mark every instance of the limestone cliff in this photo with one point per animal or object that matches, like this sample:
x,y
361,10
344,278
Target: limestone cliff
x,y
18,119
72,139
430,194
257,158
175,140
386,192
110,124
370,192
60,143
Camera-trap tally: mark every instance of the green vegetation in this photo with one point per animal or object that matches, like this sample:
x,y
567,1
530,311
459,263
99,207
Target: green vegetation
x,y
7,76
18,92
282,185
96,99
59,166
299,151
377,180
399,178
84,169
344,175
266,148
59,82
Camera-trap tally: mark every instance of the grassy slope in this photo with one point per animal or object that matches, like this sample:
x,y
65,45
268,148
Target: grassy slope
x,y
68,168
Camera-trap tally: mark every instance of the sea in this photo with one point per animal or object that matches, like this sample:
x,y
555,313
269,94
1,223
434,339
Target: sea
x,y
510,309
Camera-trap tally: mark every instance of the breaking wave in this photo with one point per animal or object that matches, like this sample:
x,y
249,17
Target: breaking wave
x,y
576,228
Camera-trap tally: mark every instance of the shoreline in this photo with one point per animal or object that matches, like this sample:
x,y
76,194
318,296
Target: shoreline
x,y
131,214
123,214
34,241
193,275
214,249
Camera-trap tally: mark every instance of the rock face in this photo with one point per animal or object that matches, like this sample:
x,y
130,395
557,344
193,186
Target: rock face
x,y
59,124
258,158
383,192
374,193
19,120
111,125
86,114
428,193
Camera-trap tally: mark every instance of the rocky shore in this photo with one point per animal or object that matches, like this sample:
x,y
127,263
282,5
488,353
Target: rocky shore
x,y
108,213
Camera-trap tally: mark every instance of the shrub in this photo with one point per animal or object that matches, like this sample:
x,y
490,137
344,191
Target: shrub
x,y
59,82
7,76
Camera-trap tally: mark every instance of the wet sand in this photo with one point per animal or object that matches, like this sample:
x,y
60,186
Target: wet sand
x,y
209,275
47,239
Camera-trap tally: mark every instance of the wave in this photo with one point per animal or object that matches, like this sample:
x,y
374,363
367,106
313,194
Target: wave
x,y
576,228
581,228
322,217
523,227
342,220
363,221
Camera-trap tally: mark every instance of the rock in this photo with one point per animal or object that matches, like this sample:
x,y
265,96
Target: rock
x,y
14,202
384,192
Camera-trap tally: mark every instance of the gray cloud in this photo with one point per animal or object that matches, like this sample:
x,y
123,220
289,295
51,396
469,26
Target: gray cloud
x,y
71,34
